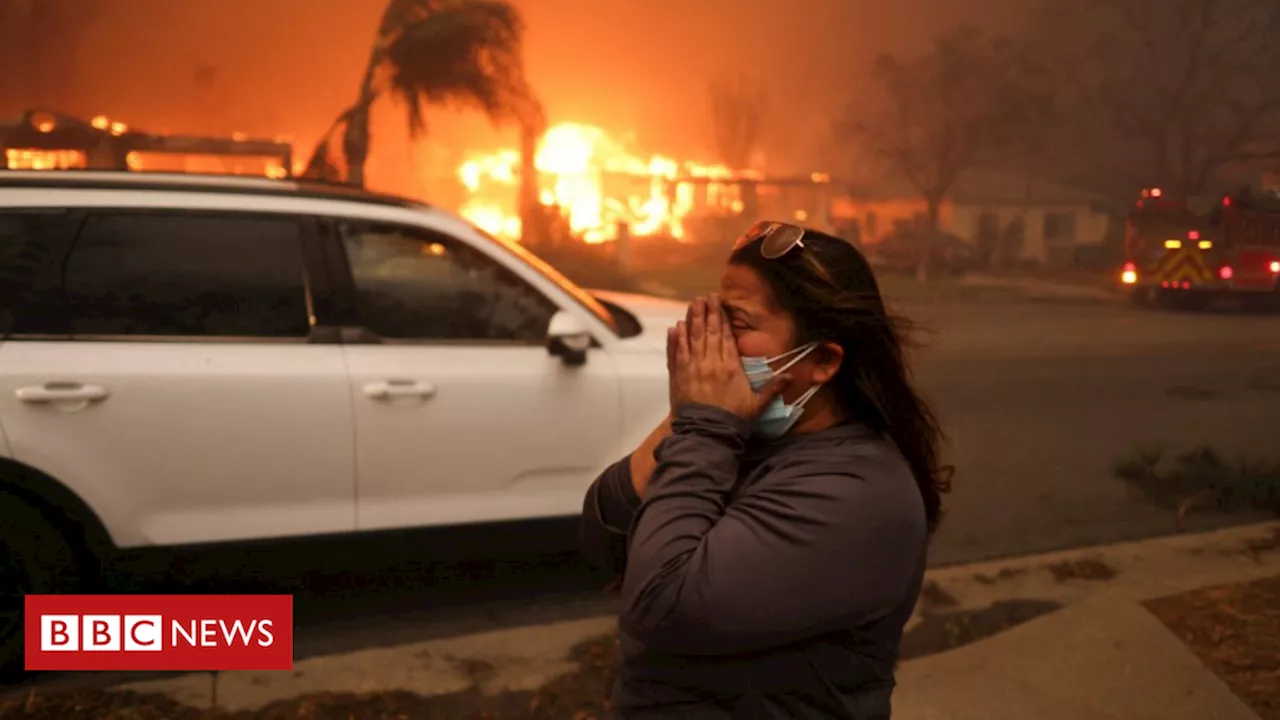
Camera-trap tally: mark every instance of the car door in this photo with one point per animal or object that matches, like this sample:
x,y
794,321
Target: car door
x,y
462,415
173,383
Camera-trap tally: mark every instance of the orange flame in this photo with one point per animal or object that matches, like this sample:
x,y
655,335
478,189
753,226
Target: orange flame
x,y
598,184
35,159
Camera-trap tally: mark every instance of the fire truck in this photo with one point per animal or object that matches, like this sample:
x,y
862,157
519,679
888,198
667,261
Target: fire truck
x,y
47,140
1187,252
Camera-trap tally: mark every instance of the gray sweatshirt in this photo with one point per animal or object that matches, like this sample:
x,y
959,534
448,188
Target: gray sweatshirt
x,y
760,579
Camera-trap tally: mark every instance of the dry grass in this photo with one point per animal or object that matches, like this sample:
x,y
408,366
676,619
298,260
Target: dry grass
x,y
1235,630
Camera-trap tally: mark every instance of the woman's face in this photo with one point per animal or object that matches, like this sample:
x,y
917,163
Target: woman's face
x,y
762,329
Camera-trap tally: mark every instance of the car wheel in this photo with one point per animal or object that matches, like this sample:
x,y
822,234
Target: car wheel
x,y
35,558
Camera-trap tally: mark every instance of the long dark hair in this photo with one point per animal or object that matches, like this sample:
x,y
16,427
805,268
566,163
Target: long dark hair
x,y
829,290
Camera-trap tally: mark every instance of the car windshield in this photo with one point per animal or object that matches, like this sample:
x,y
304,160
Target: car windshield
x,y
583,297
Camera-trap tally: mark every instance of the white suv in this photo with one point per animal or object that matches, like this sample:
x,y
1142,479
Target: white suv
x,y
196,359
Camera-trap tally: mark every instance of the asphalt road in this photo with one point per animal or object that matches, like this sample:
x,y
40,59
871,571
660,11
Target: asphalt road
x,y
1040,401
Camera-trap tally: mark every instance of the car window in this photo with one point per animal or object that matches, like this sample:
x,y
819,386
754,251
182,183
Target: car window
x,y
582,297
31,249
413,284
187,275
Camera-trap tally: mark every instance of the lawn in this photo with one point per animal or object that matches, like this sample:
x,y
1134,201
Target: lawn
x,y
1235,630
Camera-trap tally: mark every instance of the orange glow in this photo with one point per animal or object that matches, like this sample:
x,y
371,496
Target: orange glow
x,y
1275,266
201,163
598,183
1130,274
26,159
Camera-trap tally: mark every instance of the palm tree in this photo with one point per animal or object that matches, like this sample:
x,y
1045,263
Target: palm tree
x,y
443,52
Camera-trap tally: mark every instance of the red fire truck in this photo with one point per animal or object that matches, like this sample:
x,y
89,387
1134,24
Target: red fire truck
x,y
1182,252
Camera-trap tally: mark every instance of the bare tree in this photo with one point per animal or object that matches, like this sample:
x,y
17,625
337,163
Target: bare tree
x,y
737,116
1170,92
944,112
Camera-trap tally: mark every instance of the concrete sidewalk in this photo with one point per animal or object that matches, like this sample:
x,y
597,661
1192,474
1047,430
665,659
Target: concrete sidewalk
x,y
1106,657
1102,656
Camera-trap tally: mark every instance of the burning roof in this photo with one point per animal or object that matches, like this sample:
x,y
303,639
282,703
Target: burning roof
x,y
45,140
599,184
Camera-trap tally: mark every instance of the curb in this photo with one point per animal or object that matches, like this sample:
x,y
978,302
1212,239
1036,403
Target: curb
x,y
1045,289
966,604
527,657
1261,532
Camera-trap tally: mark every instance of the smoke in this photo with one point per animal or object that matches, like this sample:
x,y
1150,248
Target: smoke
x,y
287,67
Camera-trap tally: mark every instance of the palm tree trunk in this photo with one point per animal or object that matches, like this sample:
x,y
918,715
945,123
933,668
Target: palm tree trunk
x,y
532,233
355,143
355,140
318,164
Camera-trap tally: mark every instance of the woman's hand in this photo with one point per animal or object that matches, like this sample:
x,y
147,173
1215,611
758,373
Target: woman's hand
x,y
704,367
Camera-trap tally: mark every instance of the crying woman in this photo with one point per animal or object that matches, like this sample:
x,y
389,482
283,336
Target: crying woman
x,y
772,533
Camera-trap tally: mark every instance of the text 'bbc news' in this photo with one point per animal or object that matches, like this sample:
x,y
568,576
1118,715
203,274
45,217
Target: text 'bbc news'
x,y
159,632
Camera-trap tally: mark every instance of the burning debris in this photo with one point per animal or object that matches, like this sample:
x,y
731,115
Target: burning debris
x,y
600,187
45,140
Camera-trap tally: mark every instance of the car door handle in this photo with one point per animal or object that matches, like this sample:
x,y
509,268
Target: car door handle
x,y
61,392
388,389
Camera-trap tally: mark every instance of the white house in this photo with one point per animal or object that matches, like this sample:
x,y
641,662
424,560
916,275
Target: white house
x,y
1019,219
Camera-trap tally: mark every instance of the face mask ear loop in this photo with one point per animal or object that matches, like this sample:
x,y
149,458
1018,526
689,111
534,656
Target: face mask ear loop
x,y
803,350
808,395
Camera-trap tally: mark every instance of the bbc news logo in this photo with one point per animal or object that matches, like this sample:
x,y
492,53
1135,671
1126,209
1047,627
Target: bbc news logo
x,y
159,632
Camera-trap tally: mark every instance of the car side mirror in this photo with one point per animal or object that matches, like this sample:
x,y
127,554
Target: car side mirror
x,y
568,339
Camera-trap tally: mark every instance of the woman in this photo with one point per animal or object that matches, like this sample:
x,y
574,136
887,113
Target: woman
x,y
772,532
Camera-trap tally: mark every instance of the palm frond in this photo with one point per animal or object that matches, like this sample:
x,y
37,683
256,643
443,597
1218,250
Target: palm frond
x,y
401,13
463,53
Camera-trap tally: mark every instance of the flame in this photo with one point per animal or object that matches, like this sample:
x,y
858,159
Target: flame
x,y
598,184
35,159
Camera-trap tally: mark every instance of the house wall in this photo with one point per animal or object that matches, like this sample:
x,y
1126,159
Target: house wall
x,y
876,218
1075,225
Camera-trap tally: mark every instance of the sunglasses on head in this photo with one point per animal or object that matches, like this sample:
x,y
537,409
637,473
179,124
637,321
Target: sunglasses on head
x,y
776,238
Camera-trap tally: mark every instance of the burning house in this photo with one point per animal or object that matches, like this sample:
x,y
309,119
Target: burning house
x,y
591,187
43,140
597,190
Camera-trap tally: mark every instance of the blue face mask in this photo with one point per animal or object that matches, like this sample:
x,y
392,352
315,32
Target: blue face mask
x,y
778,417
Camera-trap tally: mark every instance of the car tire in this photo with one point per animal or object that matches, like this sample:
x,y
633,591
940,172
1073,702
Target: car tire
x,y
37,558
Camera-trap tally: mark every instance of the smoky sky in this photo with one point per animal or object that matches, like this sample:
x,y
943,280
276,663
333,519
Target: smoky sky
x,y
287,67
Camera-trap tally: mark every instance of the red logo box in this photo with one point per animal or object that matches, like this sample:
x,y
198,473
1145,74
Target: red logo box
x,y
159,632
